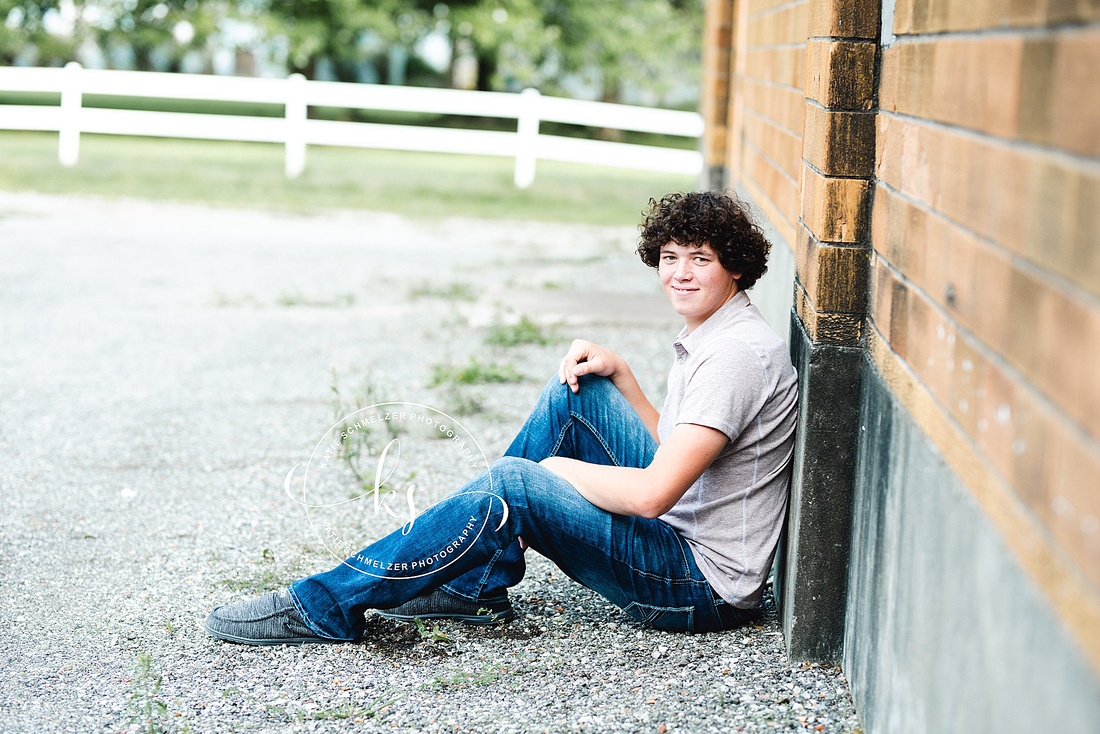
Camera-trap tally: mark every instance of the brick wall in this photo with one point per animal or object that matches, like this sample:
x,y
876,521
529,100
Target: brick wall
x,y
938,177
985,231
764,145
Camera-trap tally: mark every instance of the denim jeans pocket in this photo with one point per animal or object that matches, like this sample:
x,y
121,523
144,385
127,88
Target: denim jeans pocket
x,y
669,619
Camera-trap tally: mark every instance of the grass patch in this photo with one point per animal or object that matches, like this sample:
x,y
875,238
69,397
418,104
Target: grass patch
x,y
422,185
294,298
266,574
362,443
512,335
451,292
356,711
475,373
461,400
145,706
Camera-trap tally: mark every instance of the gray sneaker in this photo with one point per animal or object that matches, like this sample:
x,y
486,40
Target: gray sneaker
x,y
440,605
270,619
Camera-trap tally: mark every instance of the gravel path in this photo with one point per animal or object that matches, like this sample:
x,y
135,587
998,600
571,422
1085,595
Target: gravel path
x,y
162,369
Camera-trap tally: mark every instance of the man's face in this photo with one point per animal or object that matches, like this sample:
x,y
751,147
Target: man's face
x,y
695,282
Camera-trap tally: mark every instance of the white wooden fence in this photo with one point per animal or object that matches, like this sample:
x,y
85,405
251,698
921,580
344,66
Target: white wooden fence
x,y
296,131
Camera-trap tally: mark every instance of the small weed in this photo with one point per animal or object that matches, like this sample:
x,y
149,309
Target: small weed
x,y
358,441
352,710
266,574
220,299
452,292
487,675
486,612
461,400
295,298
430,635
145,705
474,373
524,332
552,286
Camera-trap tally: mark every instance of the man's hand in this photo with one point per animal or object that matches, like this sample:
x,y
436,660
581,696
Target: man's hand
x,y
586,358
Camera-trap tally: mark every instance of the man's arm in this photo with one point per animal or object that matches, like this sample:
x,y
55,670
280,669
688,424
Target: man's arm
x,y
586,358
649,492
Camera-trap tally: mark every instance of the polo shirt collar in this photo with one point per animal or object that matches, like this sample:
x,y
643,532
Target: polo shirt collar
x,y
687,343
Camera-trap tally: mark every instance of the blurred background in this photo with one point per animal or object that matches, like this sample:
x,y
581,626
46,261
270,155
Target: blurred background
x,y
642,52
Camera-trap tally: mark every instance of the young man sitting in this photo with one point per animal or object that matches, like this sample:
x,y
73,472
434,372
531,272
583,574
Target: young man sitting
x,y
672,516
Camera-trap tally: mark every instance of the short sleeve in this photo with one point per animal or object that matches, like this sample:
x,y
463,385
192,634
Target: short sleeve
x,y
726,389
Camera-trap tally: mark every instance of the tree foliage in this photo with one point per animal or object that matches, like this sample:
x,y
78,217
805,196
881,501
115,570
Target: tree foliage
x,y
641,49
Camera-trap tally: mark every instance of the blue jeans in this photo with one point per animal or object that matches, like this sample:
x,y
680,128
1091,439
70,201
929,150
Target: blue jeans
x,y
467,544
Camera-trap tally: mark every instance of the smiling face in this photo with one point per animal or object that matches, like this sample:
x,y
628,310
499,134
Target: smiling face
x,y
695,282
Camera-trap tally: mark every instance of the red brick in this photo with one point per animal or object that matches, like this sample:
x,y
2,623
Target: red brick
x,y
880,295
839,143
1036,90
1090,395
1085,257
899,296
841,74
896,231
835,209
922,152
997,420
1054,195
888,80
1008,204
958,295
903,17
888,149
969,367
992,290
844,19
1025,297
1033,426
1075,108
1061,370
1073,489
916,236
880,215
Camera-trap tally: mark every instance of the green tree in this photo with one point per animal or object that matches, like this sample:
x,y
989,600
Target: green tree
x,y
146,27
336,29
509,39
647,45
23,27
149,27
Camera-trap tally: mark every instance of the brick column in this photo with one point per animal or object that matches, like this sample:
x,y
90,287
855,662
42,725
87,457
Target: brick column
x,y
717,48
833,257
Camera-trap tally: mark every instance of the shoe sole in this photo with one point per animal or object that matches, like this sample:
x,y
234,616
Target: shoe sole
x,y
474,619
266,642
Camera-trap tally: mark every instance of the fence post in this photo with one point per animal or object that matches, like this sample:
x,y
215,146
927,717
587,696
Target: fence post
x,y
68,137
295,125
527,137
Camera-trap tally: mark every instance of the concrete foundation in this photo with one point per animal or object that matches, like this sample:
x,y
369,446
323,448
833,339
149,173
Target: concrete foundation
x,y
812,569
945,633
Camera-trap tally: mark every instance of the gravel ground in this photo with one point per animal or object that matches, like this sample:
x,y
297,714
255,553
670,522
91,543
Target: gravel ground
x,y
163,368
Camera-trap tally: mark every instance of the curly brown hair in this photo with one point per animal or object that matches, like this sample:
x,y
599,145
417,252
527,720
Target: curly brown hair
x,y
709,218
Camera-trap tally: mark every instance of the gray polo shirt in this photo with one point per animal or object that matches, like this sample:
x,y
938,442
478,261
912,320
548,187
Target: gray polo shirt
x,y
734,374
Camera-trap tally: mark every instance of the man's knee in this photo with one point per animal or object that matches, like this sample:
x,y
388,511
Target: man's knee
x,y
590,386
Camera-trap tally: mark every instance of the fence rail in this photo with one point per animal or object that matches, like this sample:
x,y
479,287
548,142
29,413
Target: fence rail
x,y
296,131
